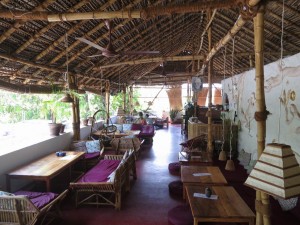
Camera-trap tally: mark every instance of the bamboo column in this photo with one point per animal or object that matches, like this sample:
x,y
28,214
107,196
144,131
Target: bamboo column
x,y
209,116
107,99
124,97
262,203
130,100
75,107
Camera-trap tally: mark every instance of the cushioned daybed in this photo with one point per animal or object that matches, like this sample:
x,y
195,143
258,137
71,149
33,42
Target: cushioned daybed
x,y
26,207
102,185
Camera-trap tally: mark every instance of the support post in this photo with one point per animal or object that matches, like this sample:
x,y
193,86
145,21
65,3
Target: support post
x,y
107,99
209,114
262,217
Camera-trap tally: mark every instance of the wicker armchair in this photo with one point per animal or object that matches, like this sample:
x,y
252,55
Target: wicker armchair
x,y
19,210
121,145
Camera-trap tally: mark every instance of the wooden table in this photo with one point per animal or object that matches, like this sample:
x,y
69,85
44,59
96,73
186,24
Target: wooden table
x,y
229,207
215,178
194,158
44,169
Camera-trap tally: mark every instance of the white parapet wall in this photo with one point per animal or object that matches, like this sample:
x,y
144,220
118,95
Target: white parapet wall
x,y
22,156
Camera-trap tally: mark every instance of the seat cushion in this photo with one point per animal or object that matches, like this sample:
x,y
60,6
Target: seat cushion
x,y
91,155
39,199
176,188
100,172
180,215
174,168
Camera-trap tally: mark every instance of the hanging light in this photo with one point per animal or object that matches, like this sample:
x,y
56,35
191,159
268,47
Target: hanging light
x,y
67,98
121,112
276,172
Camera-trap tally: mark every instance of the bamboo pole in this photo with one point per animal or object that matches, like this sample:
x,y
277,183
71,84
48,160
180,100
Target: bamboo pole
x,y
130,100
209,116
107,98
122,14
233,31
262,216
124,97
153,60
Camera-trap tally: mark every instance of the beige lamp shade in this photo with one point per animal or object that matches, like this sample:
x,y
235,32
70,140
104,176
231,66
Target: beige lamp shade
x,y
276,172
121,112
67,98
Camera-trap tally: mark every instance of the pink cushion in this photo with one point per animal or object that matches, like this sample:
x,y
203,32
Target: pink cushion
x,y
176,188
136,126
100,172
147,130
39,199
91,155
174,168
180,215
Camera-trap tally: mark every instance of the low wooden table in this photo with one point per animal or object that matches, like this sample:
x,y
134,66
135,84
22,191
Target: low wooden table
x,y
194,158
215,178
229,207
44,169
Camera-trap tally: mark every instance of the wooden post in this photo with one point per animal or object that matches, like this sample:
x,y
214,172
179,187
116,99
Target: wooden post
x,y
124,97
209,116
130,100
75,107
107,99
262,199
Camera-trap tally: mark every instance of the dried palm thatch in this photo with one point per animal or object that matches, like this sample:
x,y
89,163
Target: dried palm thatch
x,y
33,41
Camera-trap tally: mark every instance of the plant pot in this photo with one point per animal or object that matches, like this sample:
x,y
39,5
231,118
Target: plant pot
x,y
54,128
62,129
85,122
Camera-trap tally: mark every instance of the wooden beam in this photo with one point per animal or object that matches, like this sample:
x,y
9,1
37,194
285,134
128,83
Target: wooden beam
x,y
152,60
122,14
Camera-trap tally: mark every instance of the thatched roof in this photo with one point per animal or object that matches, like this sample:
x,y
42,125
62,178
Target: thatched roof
x,y
37,46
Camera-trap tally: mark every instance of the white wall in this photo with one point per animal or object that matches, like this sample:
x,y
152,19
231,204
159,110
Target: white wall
x,y
283,125
28,154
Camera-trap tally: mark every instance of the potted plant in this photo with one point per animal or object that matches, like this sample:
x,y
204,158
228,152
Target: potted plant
x,y
173,114
51,110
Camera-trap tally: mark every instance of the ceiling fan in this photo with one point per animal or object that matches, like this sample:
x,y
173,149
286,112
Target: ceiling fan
x,y
109,51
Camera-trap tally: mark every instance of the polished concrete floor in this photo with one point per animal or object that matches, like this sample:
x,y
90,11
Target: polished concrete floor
x,y
149,201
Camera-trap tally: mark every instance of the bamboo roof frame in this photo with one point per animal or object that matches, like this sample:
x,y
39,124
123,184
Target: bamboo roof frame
x,y
32,52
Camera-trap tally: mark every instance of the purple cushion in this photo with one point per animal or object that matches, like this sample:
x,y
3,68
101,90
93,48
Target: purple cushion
x,y
100,172
176,188
91,155
136,126
180,215
174,168
147,130
39,199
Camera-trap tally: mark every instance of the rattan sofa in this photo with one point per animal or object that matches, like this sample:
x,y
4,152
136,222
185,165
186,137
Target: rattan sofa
x,y
96,188
20,209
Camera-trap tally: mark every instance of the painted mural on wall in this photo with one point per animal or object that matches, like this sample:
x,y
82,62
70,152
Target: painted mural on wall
x,y
282,94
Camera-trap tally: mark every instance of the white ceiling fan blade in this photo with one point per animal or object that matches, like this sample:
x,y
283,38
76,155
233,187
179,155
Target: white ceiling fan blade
x,y
91,44
91,56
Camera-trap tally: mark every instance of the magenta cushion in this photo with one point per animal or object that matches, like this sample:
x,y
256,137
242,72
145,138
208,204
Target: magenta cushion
x,y
176,188
147,130
180,215
91,155
136,126
39,199
174,168
100,172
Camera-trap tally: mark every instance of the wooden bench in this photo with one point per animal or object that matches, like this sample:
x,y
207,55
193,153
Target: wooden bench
x,y
102,185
